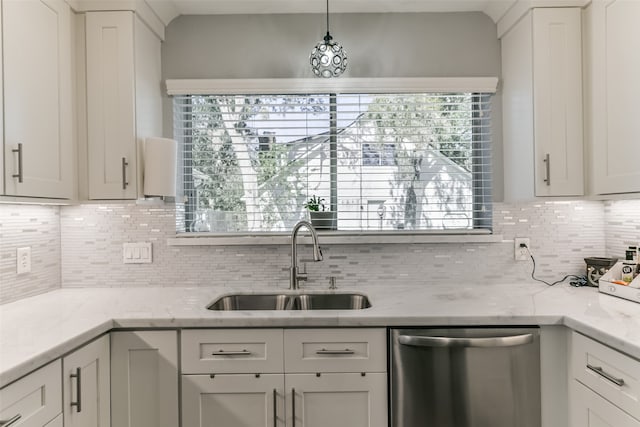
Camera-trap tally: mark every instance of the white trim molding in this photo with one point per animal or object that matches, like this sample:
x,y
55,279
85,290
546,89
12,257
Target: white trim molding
x,y
339,85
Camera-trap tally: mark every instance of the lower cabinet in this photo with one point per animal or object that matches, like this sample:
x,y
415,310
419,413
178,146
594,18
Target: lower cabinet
x,y
86,385
336,399
144,379
233,400
34,400
589,409
605,385
309,400
327,377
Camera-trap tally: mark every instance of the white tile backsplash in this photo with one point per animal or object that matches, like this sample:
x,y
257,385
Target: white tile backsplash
x,y
37,227
562,234
622,225
79,246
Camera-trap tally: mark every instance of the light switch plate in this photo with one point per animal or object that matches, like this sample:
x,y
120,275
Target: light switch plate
x,y
136,253
23,260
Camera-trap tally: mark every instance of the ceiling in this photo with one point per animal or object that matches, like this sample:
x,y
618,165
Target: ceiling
x,y
169,9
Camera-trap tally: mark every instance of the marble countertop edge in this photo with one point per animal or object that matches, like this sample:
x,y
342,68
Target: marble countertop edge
x,y
56,323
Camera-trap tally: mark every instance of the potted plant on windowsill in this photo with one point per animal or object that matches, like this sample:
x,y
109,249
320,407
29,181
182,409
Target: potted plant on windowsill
x,y
321,219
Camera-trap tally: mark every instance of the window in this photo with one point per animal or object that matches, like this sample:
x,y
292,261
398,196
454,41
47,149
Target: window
x,y
382,162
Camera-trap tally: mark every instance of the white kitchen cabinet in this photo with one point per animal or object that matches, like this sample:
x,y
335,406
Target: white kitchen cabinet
x,y
612,39
33,401
86,385
124,103
542,105
323,377
605,385
588,409
336,399
38,117
233,400
144,379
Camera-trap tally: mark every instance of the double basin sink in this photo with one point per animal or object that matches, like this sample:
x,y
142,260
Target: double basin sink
x,y
291,301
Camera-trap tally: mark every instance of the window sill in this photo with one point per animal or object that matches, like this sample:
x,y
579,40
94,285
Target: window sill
x,y
333,238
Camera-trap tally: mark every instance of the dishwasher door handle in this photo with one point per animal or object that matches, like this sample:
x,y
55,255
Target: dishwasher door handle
x,y
421,341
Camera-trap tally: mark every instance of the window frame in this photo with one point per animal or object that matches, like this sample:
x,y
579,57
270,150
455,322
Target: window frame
x,y
484,85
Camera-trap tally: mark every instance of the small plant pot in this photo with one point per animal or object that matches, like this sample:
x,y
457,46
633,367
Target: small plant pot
x,y
326,220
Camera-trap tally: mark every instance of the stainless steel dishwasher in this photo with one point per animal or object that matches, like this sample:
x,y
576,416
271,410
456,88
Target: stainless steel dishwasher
x,y
466,377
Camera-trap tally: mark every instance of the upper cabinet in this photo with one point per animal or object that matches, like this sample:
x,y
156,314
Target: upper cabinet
x,y
123,101
542,105
612,40
38,116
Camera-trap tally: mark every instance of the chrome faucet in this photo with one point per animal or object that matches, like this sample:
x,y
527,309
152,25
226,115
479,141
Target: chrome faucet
x,y
295,277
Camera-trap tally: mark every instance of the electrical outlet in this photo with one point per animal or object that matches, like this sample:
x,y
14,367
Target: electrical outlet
x,y
520,253
23,260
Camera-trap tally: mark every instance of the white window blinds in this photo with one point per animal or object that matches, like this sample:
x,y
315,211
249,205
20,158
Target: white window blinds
x,y
379,162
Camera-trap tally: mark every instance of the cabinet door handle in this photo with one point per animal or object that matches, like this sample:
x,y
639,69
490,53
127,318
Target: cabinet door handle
x,y
325,351
547,161
293,407
11,421
18,175
607,376
78,402
124,173
231,353
275,408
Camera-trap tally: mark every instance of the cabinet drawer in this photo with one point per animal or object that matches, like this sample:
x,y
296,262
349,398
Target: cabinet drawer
x,y
36,398
232,351
335,350
608,372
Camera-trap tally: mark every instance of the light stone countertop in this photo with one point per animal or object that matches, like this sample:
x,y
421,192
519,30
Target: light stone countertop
x,y
37,330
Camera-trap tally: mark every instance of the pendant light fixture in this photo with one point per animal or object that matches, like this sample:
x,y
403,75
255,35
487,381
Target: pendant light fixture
x,y
328,59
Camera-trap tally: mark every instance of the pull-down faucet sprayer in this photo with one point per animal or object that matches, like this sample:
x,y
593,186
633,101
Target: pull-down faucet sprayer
x,y
296,277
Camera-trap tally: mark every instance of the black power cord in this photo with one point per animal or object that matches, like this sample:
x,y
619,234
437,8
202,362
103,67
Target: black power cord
x,y
579,280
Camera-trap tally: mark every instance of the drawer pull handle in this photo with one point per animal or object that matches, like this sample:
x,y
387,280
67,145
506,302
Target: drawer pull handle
x,y
325,351
11,421
607,376
78,402
231,353
19,174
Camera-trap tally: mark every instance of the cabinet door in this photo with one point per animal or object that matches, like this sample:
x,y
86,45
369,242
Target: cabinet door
x,y
337,400
144,379
38,118
86,385
588,409
111,105
233,400
615,87
557,94
34,400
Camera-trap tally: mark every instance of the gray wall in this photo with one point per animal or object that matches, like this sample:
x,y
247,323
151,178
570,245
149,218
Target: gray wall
x,y
378,45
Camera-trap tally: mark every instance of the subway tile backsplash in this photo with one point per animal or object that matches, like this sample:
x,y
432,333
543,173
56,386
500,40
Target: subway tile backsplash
x,y
622,225
78,246
562,234
37,227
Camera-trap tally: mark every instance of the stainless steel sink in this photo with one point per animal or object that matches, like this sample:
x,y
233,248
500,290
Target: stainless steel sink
x,y
306,301
331,302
